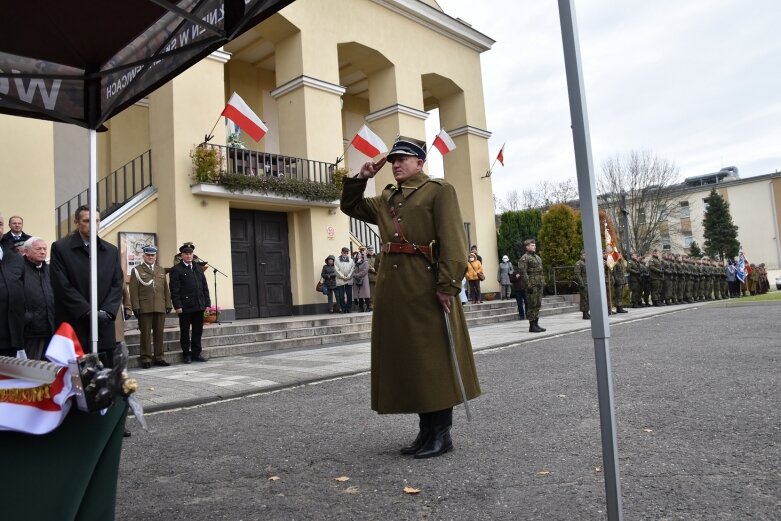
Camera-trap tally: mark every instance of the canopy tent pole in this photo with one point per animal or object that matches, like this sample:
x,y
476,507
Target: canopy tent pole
x,y
93,234
600,329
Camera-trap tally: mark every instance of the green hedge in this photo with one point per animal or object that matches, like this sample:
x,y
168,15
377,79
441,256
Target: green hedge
x,y
309,190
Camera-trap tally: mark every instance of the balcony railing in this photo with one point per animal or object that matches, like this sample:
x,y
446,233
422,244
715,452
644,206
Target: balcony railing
x,y
253,163
364,233
114,191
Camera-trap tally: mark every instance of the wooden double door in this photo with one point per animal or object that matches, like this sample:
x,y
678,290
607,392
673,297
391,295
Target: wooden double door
x,y
261,264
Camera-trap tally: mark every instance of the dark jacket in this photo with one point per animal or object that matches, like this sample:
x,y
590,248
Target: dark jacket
x,y
11,300
70,276
38,301
8,239
328,273
189,290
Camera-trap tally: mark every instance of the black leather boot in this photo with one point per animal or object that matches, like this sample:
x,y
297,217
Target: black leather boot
x,y
537,323
438,441
586,315
620,309
534,328
423,433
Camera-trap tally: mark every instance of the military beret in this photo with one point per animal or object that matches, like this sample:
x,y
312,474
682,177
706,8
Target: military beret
x,y
403,147
528,242
150,250
187,247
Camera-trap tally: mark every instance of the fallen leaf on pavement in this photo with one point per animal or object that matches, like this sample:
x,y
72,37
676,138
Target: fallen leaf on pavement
x,y
544,473
150,389
648,430
342,479
274,478
598,469
410,490
562,395
351,490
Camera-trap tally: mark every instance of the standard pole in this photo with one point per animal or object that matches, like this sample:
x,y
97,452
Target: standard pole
x,y
600,329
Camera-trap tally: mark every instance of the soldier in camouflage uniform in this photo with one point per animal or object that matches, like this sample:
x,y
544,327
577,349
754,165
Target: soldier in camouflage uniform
x,y
619,283
645,280
680,286
530,267
667,283
581,277
635,280
657,278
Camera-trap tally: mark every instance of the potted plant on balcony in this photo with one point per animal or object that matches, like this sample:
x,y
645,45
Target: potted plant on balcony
x,y
211,314
206,163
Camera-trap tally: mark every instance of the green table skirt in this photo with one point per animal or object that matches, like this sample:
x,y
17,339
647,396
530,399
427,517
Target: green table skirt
x,y
68,474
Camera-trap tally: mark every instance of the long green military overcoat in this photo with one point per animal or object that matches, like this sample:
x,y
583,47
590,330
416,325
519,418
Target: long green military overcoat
x,y
411,370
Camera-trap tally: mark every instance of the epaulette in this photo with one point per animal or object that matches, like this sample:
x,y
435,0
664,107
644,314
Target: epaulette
x,y
438,180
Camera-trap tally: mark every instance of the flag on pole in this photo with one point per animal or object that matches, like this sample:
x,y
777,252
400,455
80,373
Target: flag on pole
x,y
444,143
743,267
35,408
500,156
239,112
368,143
612,250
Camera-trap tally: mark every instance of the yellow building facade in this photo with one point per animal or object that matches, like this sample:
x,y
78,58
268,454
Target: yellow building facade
x,y
315,73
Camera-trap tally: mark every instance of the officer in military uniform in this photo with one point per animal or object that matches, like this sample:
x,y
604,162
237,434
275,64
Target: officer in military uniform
x,y
420,267
530,267
151,301
581,277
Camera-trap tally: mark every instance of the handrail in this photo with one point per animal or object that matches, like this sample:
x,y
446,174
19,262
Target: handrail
x,y
113,191
365,234
253,163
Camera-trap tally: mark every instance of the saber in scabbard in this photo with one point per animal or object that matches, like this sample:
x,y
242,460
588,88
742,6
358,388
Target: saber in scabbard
x,y
456,367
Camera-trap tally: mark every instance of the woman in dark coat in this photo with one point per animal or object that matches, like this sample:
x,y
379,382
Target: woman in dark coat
x,y
328,274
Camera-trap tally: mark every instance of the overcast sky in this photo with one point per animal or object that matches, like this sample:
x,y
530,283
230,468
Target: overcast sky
x,y
697,82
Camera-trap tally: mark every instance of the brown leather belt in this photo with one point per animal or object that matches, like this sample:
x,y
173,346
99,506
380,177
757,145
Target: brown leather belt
x,y
410,249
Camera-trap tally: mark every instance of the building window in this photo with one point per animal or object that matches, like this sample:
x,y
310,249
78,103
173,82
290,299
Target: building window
x,y
641,216
687,240
666,245
684,209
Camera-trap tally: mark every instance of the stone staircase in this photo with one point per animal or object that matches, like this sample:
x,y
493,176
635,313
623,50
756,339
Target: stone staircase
x,y
278,333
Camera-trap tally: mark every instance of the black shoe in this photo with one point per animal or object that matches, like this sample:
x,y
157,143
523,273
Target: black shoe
x,y
586,315
146,365
198,358
186,359
621,310
423,434
534,328
438,441
127,434
537,323
162,363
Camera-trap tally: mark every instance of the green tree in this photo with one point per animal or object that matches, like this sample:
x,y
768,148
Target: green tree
x,y
721,235
513,228
559,242
694,250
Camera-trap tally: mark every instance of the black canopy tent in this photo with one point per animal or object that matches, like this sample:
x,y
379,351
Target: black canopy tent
x,y
83,62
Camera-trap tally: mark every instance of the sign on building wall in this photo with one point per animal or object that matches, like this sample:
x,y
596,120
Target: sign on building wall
x,y
131,249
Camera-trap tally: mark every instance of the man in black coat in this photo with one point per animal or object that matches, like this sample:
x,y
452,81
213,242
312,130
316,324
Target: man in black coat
x,y
70,275
38,299
15,234
190,297
11,302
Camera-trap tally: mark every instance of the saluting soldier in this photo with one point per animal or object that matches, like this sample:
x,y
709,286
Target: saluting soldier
x,y
411,367
530,267
151,301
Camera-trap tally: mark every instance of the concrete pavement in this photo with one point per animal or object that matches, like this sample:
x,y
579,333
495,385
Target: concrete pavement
x,y
180,385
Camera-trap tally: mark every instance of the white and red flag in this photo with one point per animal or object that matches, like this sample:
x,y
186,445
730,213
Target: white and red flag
x,y
239,112
20,412
368,143
612,250
500,156
444,143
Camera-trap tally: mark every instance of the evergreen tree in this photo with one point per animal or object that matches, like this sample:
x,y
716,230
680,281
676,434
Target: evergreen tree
x,y
694,250
559,242
513,229
721,235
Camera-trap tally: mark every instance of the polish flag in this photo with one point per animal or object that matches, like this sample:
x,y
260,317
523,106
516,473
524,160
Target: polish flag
x,y
43,416
500,156
610,245
368,143
239,112
444,143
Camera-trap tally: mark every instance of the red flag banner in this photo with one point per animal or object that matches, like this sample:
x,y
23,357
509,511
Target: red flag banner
x,y
443,142
500,156
239,112
368,143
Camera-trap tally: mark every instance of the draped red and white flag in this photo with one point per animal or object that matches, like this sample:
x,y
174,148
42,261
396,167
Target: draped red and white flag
x,y
610,246
500,156
42,416
444,143
239,112
368,143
